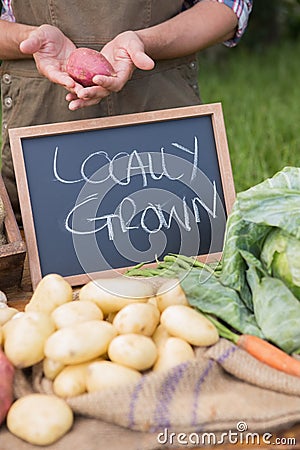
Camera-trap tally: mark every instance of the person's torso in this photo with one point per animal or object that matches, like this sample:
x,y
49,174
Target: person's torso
x,y
95,22
92,24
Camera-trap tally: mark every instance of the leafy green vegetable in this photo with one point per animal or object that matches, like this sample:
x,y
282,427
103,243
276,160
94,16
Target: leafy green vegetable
x,y
240,235
276,310
205,292
262,249
172,266
281,257
273,203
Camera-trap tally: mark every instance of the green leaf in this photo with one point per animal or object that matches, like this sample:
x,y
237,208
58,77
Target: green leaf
x,y
240,235
276,309
205,292
281,256
272,203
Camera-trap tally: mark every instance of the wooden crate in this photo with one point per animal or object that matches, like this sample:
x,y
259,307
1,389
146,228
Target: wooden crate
x,y
12,254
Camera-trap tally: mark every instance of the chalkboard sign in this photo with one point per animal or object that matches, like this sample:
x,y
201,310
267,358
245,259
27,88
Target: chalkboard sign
x,y
106,194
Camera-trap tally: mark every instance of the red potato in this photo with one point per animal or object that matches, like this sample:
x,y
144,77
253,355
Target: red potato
x,y
6,385
84,63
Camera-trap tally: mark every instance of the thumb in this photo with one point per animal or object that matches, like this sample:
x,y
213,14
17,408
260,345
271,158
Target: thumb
x,y
32,44
139,58
142,61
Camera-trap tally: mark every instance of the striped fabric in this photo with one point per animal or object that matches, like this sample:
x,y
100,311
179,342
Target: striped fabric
x,y
242,9
6,13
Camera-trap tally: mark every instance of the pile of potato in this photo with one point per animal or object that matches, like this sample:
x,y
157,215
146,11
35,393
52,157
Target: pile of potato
x,y
114,332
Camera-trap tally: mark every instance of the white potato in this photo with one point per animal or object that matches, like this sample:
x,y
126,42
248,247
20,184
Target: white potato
x,y
71,313
112,294
173,352
160,335
108,374
52,368
153,301
133,350
3,298
39,419
53,290
190,325
24,337
80,343
71,380
170,293
6,313
140,318
110,317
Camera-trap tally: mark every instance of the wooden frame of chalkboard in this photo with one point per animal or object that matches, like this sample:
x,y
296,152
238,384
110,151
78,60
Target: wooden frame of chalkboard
x,y
35,147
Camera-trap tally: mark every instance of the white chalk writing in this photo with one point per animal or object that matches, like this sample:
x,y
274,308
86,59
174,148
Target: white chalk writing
x,y
99,168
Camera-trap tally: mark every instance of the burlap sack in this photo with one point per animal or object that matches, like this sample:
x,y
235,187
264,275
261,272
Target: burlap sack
x,y
223,387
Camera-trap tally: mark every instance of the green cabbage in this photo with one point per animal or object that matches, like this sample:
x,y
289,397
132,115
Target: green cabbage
x,y
259,211
281,257
261,255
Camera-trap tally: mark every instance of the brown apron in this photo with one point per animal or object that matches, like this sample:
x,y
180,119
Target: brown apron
x,y
30,99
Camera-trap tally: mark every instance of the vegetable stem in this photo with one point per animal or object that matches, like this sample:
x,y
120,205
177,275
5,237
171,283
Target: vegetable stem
x,y
223,330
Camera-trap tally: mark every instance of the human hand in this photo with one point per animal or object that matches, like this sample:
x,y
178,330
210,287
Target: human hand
x,y
50,49
125,53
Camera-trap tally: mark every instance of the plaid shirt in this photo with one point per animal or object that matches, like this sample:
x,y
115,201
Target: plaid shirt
x,y
242,9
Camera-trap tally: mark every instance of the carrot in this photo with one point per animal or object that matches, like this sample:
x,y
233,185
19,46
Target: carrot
x,y
269,354
6,385
262,350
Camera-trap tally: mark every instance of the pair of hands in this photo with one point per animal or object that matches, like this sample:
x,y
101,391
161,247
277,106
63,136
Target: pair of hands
x,y
51,48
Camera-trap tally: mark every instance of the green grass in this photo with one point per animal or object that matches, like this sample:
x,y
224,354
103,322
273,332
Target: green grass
x,y
260,96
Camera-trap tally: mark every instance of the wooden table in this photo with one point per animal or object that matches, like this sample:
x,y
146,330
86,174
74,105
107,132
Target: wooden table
x,y
290,439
